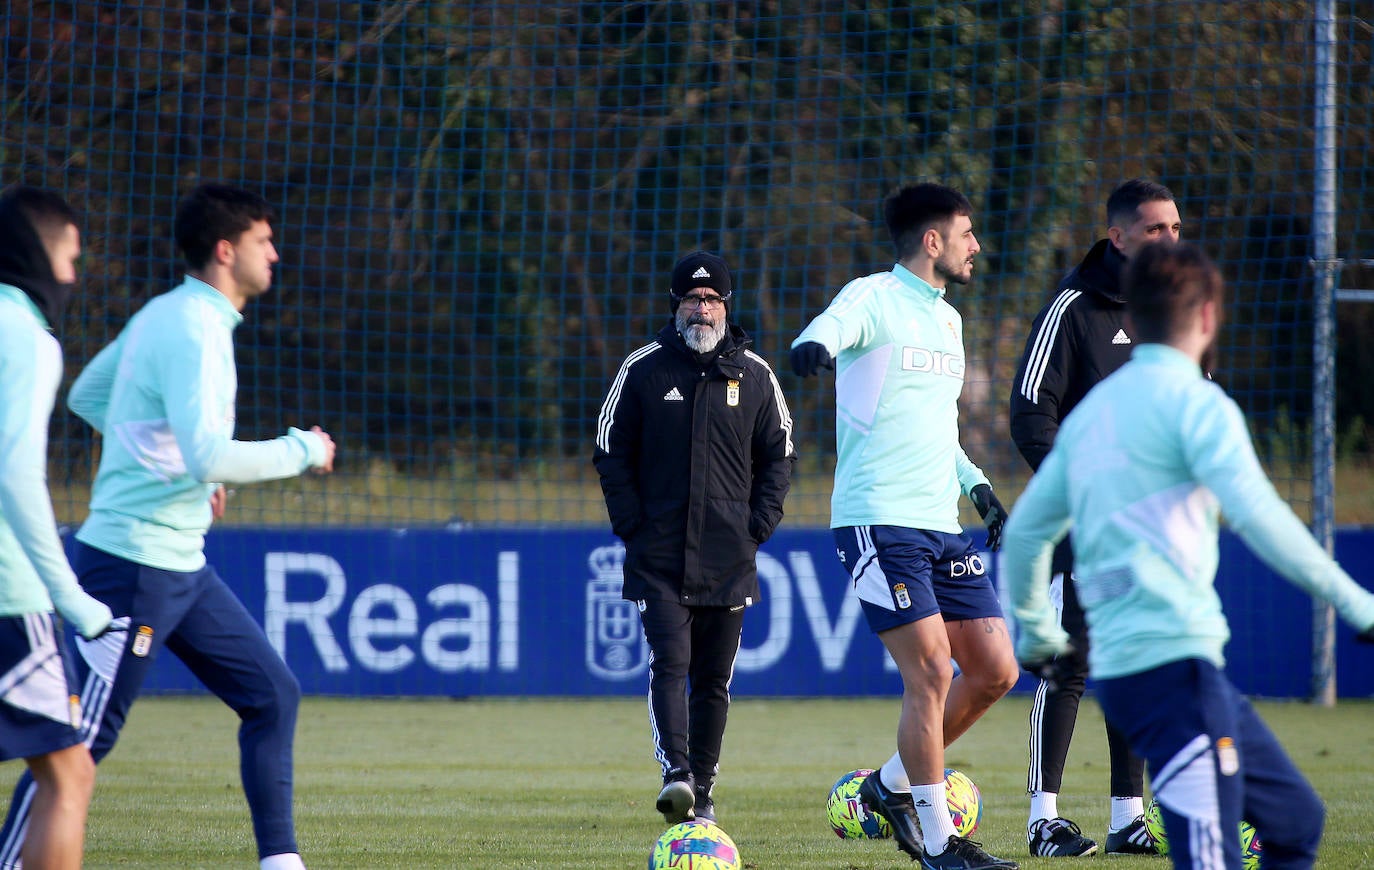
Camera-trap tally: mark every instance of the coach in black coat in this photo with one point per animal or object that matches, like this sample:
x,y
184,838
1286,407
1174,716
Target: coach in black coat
x,y
694,449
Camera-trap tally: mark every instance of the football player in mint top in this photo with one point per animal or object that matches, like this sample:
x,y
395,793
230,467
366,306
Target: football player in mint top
x,y
1142,470
39,245
897,346
162,393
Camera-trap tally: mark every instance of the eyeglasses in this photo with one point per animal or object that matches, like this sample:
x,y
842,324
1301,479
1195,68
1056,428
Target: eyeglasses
x,y
701,301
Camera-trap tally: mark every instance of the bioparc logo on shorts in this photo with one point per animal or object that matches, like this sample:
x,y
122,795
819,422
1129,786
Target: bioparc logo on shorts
x,y
969,566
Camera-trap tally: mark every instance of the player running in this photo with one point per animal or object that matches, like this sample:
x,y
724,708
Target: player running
x,y
1141,470
163,394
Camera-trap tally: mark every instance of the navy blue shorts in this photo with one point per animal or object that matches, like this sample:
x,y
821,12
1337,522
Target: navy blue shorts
x,y
1213,762
38,709
902,575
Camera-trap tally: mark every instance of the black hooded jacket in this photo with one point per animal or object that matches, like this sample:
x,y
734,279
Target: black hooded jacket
x,y
24,263
695,456
1076,341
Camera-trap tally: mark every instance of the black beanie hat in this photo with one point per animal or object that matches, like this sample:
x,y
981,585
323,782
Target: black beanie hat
x,y
701,269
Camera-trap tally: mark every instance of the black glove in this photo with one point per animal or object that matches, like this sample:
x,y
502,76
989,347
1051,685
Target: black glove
x,y
1052,670
810,357
992,512
1366,636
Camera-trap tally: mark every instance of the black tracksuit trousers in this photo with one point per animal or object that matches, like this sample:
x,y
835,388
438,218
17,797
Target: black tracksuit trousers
x,y
1053,715
691,660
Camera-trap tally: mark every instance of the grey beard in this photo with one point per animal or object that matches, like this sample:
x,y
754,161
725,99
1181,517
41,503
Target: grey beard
x,y
702,338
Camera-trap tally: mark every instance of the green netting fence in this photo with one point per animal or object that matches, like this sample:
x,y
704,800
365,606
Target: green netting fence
x,y
479,204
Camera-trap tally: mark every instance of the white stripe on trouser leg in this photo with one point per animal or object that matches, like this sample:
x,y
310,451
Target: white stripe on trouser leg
x,y
1035,777
1187,785
102,656
11,849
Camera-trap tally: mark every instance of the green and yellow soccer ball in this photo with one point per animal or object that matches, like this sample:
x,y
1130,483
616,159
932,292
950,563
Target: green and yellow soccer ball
x,y
849,819
1251,849
1250,845
695,845
1154,826
965,802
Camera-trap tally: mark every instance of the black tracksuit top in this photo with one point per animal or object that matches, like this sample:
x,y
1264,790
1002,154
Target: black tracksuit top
x,y
695,460
1075,342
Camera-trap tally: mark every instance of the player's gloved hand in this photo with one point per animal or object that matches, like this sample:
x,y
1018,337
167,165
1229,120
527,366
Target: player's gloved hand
x,y
87,615
1366,636
810,357
1051,669
992,512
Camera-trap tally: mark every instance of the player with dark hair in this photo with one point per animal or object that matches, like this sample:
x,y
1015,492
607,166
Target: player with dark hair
x,y
694,450
897,346
39,246
1078,339
1141,470
163,395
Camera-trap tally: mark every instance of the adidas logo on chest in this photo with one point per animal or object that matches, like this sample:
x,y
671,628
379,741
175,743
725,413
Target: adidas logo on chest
x,y
673,395
1121,337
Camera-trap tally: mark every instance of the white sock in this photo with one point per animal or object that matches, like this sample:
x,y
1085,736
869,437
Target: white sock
x,y
1125,810
932,810
894,774
282,861
1044,805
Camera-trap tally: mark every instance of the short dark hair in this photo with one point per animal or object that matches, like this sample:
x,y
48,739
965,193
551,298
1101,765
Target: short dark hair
x,y
213,212
1129,196
916,208
1164,283
47,212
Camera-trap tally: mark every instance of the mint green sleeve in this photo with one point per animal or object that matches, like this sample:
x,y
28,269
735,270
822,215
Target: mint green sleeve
x,y
846,321
28,387
89,397
970,475
198,385
1039,520
1222,457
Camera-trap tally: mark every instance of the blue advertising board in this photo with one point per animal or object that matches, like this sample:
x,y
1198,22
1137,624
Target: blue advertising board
x,y
463,612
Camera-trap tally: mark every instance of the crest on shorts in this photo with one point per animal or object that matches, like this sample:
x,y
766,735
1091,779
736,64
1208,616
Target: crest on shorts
x,y
143,641
901,596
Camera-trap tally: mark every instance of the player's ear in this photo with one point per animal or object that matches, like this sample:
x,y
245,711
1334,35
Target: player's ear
x,y
933,241
1115,234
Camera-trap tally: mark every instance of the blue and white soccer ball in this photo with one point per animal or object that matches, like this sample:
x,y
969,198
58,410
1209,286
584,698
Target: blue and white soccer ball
x,y
695,845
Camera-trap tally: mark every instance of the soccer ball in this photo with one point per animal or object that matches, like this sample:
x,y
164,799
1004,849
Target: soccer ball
x,y
695,845
965,802
850,820
1154,826
1250,845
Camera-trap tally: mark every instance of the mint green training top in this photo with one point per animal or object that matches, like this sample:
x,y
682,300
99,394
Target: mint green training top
x,y
899,369
1141,468
34,573
162,394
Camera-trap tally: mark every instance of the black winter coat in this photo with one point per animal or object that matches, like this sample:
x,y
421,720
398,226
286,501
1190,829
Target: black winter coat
x,y
1075,341
695,460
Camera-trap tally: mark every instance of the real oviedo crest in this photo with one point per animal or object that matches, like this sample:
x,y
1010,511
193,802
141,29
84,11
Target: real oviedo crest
x,y
616,648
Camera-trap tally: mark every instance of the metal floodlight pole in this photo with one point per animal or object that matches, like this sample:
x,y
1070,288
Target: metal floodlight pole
x,y
1325,267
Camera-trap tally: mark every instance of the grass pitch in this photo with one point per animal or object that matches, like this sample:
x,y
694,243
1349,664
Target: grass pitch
x,y
570,783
